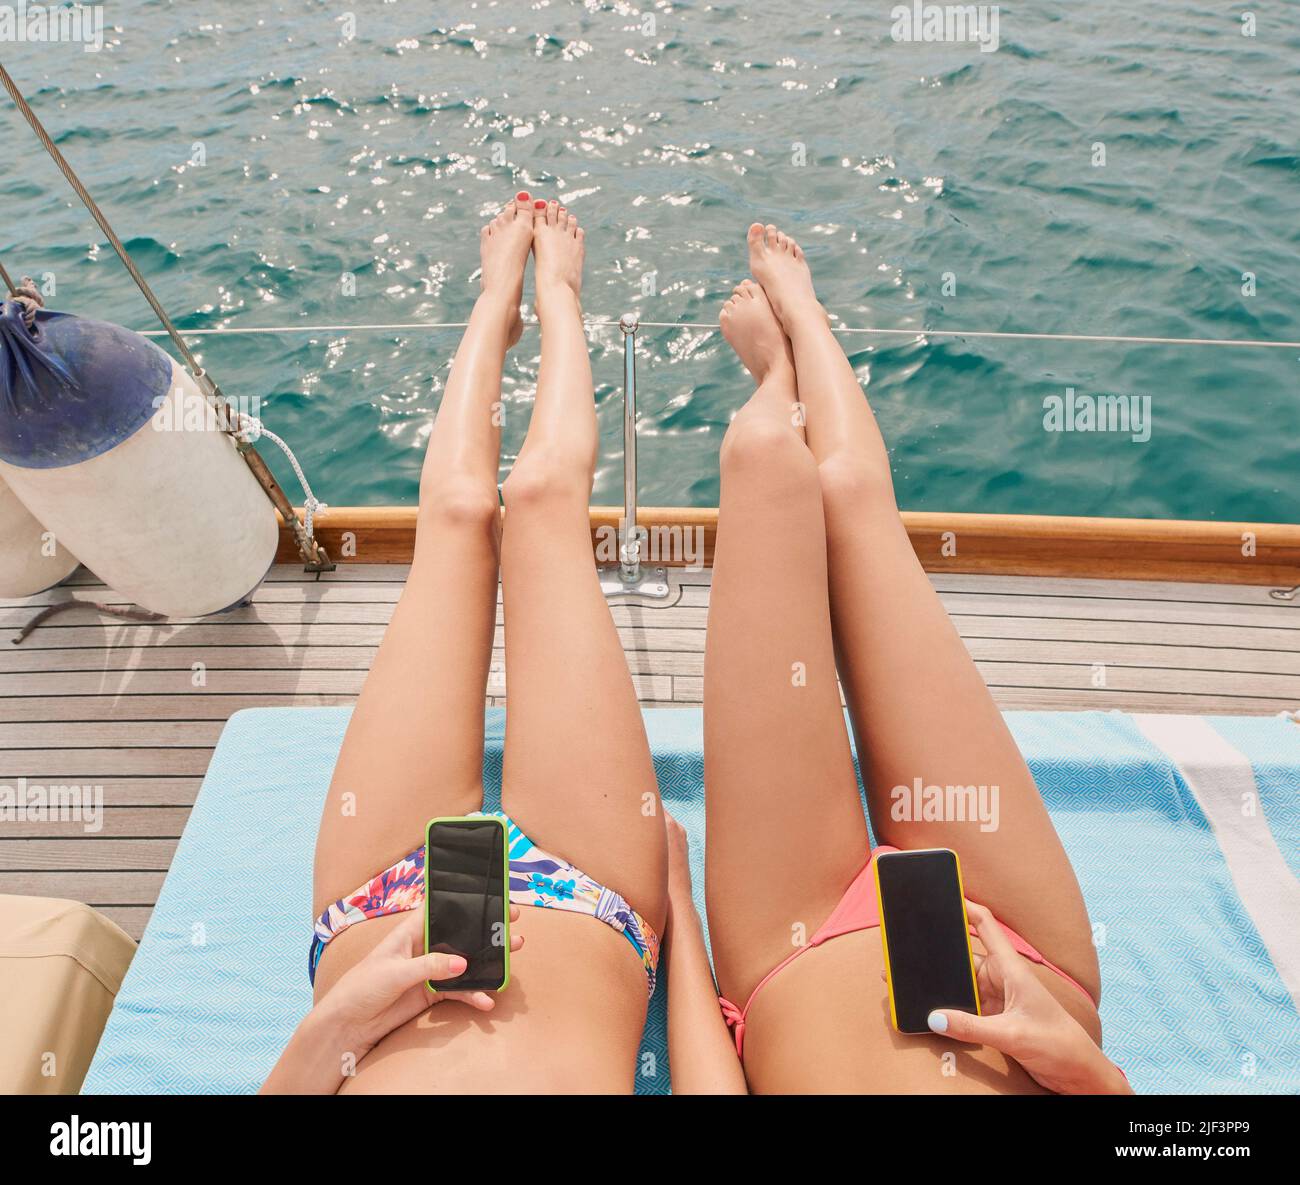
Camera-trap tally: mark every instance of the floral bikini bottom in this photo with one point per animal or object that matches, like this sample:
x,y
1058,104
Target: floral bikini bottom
x,y
536,878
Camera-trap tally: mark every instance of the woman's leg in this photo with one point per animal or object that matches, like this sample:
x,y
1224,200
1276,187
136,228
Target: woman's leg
x,y
785,827
578,776
414,746
920,709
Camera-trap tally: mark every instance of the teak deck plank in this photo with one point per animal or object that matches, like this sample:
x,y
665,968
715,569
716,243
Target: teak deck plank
x,y
93,700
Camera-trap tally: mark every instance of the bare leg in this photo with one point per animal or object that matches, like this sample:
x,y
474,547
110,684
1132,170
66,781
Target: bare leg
x,y
578,775
785,828
919,706
414,746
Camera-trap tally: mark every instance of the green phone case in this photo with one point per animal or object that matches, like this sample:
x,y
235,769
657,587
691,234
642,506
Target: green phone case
x,y
505,878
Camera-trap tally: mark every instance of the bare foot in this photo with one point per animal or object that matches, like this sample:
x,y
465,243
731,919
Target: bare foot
x,y
752,330
558,248
779,266
504,244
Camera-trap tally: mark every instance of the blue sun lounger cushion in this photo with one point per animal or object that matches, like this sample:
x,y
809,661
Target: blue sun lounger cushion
x,y
1194,1000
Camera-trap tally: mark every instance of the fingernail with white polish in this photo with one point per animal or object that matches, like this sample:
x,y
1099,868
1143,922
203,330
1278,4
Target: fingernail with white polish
x,y
938,1022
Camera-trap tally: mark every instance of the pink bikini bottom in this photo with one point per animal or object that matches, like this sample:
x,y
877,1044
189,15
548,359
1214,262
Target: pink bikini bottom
x,y
859,909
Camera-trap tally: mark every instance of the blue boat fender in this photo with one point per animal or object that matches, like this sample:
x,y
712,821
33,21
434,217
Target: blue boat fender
x,y
100,443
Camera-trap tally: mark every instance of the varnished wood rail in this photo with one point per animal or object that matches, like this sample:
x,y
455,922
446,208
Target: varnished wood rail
x,y
995,544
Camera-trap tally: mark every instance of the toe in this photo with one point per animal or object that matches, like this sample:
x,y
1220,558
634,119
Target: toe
x,y
771,235
522,206
552,212
754,236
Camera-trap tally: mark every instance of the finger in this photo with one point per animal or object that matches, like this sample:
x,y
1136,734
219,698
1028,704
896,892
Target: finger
x,y
435,967
992,935
966,1026
516,942
514,913
479,1001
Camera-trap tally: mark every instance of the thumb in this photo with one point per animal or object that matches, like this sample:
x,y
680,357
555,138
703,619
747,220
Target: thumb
x,y
966,1026
436,967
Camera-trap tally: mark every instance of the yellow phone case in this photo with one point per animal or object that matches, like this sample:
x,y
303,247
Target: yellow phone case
x,y
884,938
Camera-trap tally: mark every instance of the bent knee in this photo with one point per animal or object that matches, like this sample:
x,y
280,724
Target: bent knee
x,y
549,481
853,484
764,446
457,502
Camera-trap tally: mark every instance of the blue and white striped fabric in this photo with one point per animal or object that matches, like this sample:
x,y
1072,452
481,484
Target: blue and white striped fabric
x,y
1194,998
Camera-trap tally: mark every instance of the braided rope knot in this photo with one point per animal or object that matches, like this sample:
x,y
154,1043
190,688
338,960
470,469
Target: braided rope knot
x,y
29,296
248,428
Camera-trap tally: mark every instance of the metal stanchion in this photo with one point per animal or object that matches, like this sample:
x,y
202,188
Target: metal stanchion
x,y
631,576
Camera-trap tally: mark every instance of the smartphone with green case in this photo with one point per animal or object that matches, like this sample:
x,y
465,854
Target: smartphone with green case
x,y
467,899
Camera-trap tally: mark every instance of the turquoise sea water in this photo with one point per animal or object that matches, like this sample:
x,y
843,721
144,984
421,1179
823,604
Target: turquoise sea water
x,y
893,163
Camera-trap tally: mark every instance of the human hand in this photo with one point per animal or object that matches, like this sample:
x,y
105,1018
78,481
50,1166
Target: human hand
x,y
388,986
1023,1020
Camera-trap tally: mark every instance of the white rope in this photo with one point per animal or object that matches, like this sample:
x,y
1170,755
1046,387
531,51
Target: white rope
x,y
251,430
405,326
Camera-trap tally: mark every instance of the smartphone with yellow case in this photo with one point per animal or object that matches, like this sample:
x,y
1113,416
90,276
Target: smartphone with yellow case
x,y
926,935
467,899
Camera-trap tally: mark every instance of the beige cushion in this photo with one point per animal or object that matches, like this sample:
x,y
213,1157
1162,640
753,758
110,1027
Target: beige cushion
x,y
61,964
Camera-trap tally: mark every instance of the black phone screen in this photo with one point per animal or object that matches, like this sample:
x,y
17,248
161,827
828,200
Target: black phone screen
x,y
465,900
925,935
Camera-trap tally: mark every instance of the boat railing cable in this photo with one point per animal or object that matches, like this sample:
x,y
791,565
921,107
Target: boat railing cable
x,y
629,575
313,555
708,327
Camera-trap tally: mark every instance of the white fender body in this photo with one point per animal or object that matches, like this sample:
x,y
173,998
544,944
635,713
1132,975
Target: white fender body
x,y
32,559
111,446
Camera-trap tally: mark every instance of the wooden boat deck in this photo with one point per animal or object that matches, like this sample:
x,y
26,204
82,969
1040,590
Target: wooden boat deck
x,y
91,700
